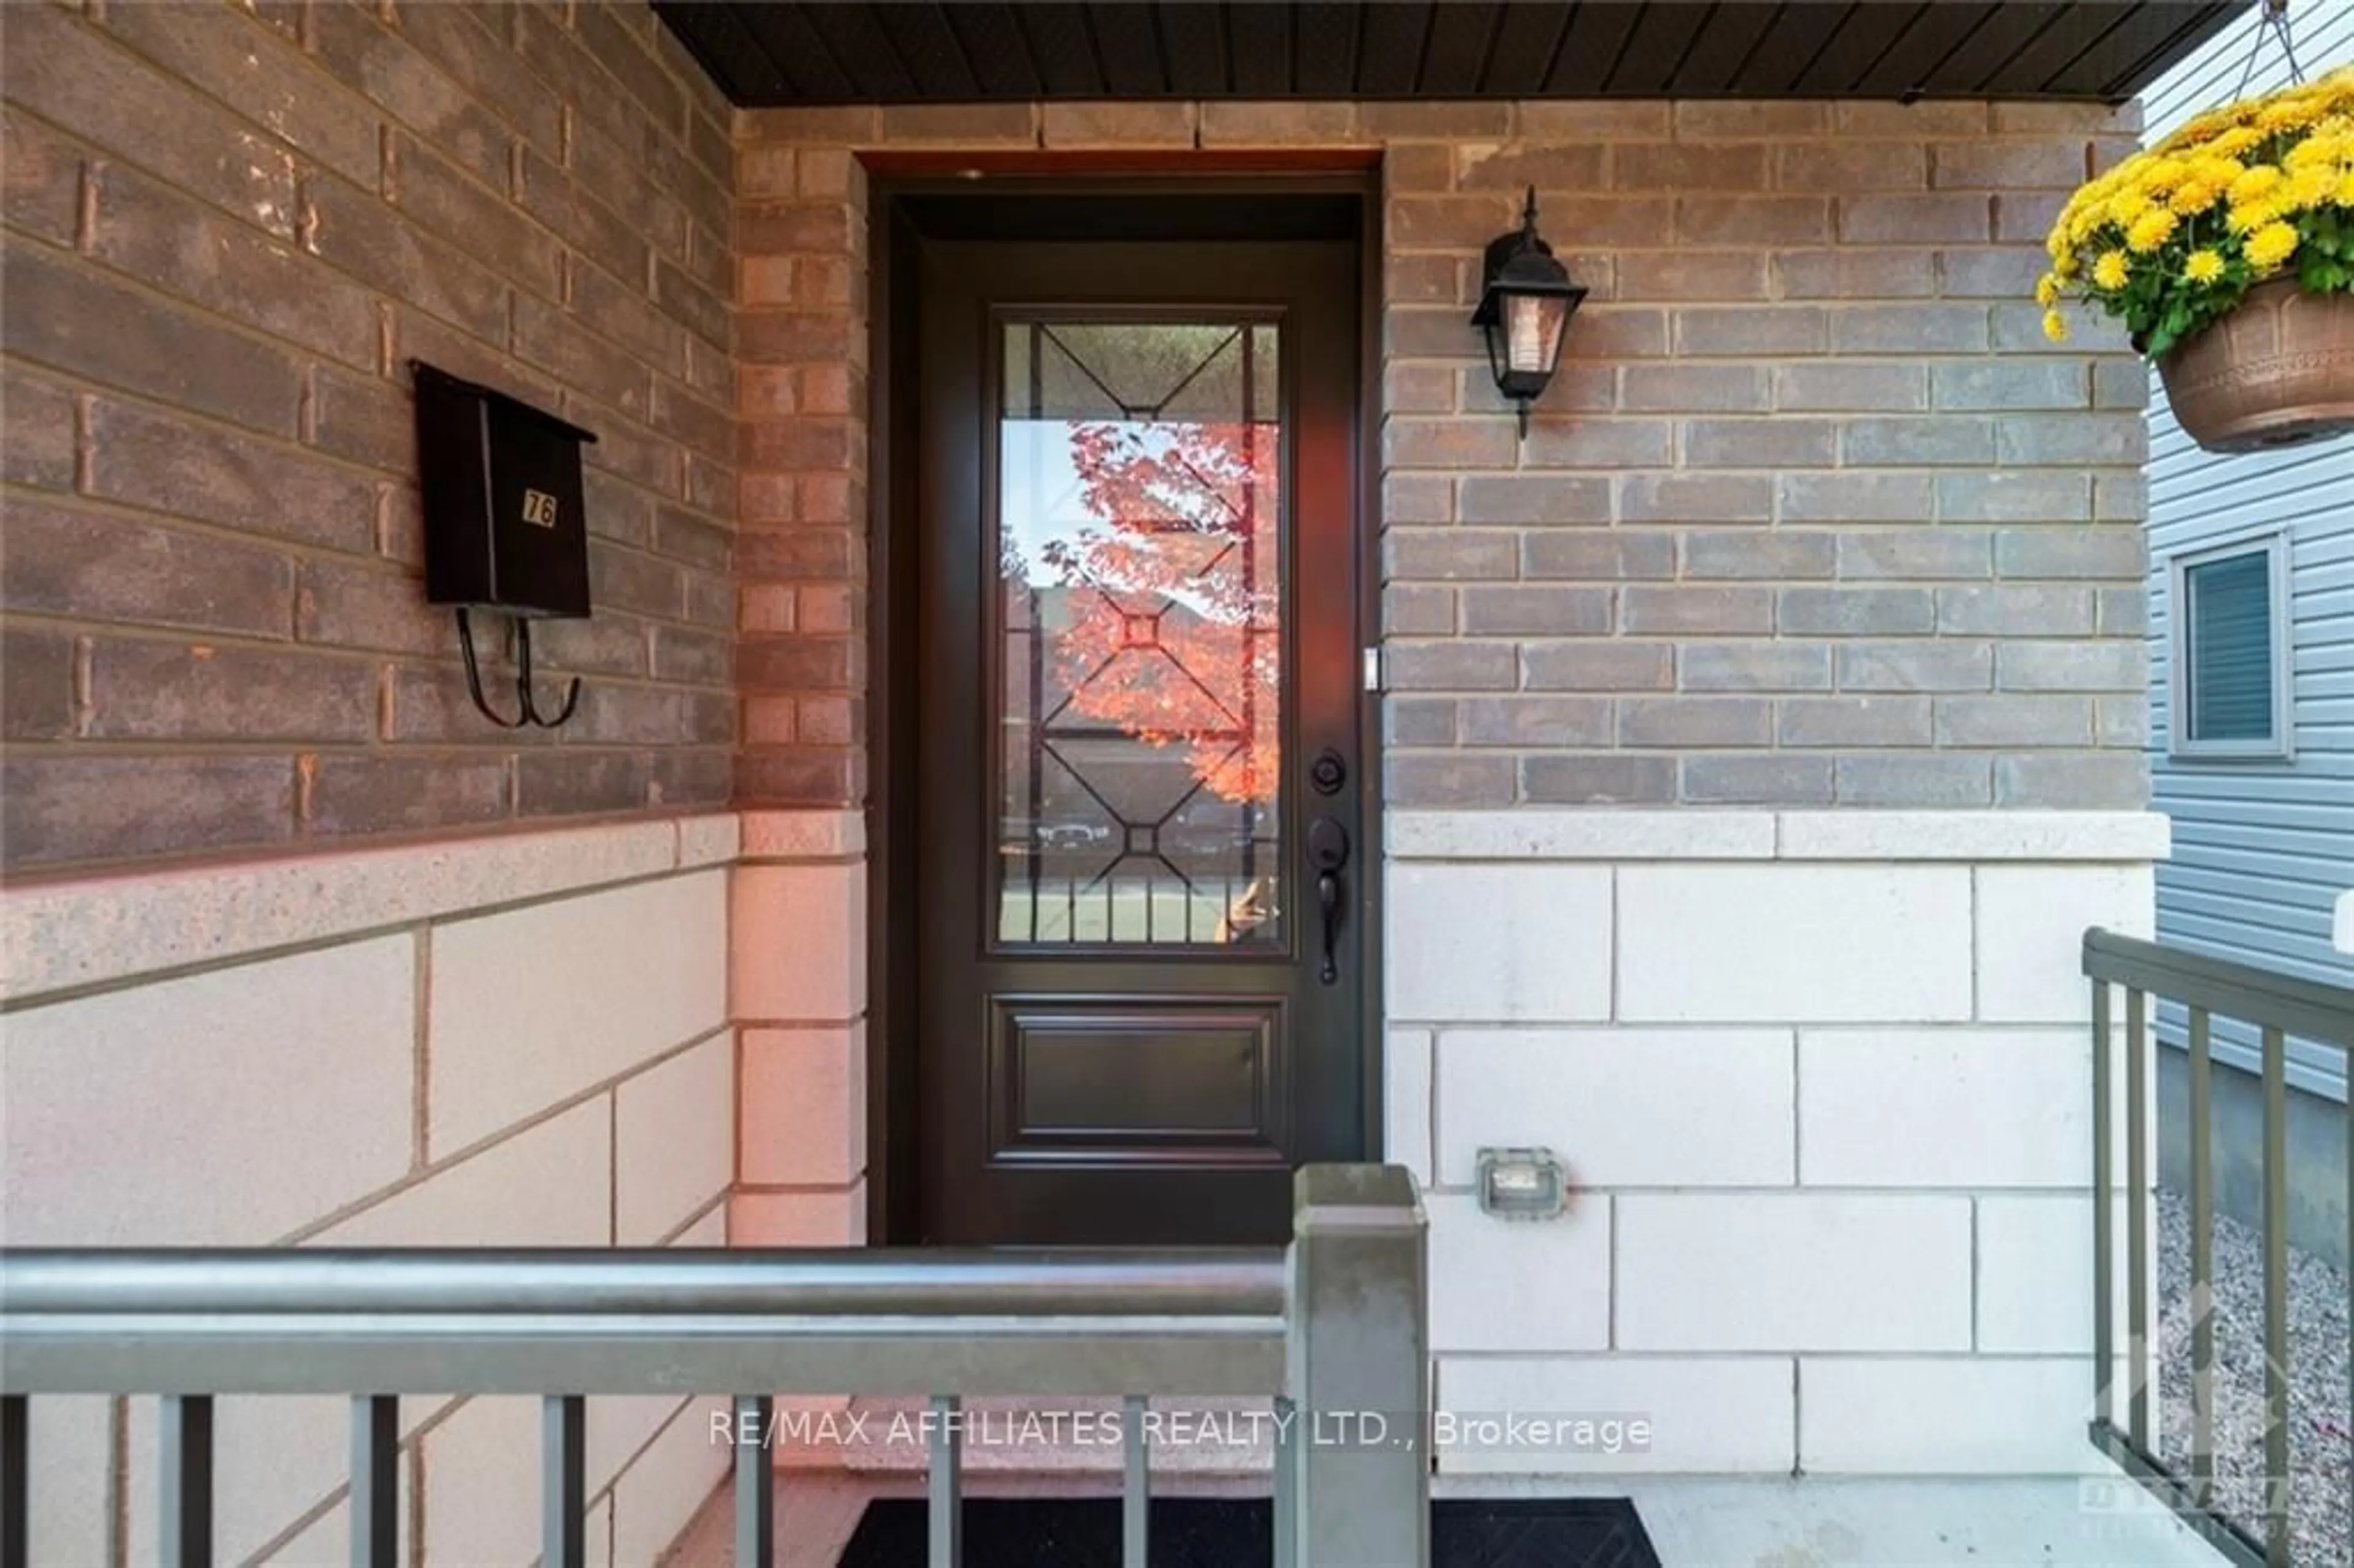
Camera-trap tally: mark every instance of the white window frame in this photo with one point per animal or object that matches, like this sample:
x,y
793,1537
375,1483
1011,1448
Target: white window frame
x,y
2274,544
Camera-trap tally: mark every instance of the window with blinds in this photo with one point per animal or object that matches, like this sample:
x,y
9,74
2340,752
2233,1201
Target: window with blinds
x,y
2231,688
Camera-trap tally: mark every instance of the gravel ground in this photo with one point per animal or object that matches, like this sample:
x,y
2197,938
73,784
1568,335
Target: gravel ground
x,y
2321,1432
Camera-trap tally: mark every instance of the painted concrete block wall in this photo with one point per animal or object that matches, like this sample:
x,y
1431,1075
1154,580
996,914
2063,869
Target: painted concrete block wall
x,y
798,997
1822,1087
520,1041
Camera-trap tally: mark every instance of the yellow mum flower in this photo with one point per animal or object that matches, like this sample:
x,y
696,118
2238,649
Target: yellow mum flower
x,y
2151,230
2203,266
2311,187
2126,210
2194,195
2234,142
2254,215
2272,245
2255,186
2288,114
2067,266
2055,327
2047,290
2111,270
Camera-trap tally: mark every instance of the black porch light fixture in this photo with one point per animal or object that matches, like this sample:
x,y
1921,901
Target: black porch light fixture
x,y
1525,301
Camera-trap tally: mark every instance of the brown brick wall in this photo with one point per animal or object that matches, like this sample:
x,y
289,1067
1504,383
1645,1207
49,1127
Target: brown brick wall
x,y
1812,514
228,230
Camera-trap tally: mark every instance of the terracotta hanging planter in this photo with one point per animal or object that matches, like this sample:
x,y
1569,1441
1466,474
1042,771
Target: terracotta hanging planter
x,y
2277,371
2227,252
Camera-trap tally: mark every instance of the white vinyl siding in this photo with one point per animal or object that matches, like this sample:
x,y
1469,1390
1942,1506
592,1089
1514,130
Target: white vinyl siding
x,y
2262,847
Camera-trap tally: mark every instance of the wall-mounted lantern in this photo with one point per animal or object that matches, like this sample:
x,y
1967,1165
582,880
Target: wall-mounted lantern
x,y
1525,301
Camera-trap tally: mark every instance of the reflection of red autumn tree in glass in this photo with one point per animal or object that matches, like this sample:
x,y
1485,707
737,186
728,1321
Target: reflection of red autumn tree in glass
x,y
1175,613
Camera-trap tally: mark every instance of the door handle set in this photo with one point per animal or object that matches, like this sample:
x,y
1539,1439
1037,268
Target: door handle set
x,y
1327,852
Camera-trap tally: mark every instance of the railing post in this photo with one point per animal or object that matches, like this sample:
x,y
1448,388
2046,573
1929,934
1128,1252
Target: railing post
x,y
1357,1372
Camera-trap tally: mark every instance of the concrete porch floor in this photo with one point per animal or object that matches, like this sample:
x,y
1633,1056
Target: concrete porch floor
x,y
2031,1522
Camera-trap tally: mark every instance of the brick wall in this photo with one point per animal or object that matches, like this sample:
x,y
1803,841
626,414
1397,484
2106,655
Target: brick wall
x,y
1813,514
228,230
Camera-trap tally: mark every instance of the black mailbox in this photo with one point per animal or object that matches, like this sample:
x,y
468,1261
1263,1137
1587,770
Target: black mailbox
x,y
506,526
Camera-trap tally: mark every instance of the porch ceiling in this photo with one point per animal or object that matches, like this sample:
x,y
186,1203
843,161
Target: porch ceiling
x,y
767,52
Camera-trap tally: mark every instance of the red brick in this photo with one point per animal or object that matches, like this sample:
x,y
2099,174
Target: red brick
x,y
625,315
40,177
1430,121
1914,219
1688,166
160,236
703,427
628,55
1773,120
782,775
608,643
568,783
1457,223
683,535
692,305
62,312
627,448
350,604
1606,781
580,81
358,233
430,703
1129,124
58,807
63,70
479,219
171,690
36,685
460,41
1841,167
616,175
1697,275
594,231
364,419
967,124
383,791
1253,124
1753,220
798,663
251,67
1448,778
236,480
697,658
626,579
399,78
690,778
1513,168
99,565
561,344
39,448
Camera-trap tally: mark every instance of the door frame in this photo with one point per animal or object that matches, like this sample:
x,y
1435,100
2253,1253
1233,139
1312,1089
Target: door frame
x,y
893,1128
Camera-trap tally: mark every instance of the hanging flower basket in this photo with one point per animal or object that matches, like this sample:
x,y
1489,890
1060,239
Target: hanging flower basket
x,y
2227,251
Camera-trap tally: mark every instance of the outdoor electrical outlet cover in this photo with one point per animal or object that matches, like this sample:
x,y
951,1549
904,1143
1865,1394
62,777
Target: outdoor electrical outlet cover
x,y
1522,1183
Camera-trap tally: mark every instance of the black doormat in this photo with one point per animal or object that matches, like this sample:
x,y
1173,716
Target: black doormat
x,y
1233,1532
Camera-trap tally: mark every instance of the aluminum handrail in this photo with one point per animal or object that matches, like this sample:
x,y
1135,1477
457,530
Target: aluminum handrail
x,y
578,1281
2278,1005
1336,1321
2313,1010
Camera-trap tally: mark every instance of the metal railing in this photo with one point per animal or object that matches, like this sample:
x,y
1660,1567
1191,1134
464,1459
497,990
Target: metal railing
x,y
2279,1006
1335,1323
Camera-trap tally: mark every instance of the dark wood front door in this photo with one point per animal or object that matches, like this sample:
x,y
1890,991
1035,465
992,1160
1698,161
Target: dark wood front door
x,y
1141,833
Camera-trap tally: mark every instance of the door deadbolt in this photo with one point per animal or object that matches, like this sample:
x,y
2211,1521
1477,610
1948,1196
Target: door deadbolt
x,y
1328,772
